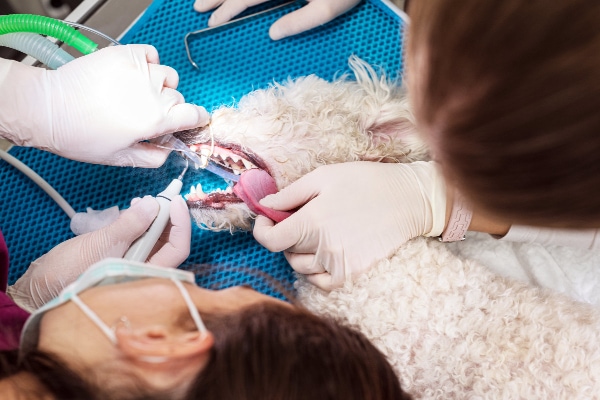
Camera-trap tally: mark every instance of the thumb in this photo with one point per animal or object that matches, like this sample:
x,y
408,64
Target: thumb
x,y
133,222
294,195
144,155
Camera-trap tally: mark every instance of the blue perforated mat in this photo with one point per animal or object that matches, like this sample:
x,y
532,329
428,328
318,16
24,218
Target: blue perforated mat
x,y
233,61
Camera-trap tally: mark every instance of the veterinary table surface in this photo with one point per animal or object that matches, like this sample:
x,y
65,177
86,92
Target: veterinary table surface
x,y
233,61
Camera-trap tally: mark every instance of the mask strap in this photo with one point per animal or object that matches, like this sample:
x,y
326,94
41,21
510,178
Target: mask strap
x,y
193,310
94,317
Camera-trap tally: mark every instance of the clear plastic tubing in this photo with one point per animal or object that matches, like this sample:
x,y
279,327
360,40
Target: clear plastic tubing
x,y
38,47
47,26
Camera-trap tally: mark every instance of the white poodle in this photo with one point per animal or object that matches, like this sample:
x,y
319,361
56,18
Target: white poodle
x,y
451,327
289,130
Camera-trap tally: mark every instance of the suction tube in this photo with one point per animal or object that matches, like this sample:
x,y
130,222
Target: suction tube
x,y
47,26
37,47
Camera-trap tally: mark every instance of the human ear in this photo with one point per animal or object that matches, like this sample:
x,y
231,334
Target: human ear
x,y
155,343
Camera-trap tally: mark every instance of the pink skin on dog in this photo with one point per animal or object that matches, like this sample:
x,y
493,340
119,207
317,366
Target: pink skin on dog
x,y
255,184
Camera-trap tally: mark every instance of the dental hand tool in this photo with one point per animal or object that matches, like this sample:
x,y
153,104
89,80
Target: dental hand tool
x,y
217,170
171,142
141,248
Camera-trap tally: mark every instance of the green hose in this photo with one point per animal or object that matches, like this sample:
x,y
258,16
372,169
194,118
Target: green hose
x,y
47,26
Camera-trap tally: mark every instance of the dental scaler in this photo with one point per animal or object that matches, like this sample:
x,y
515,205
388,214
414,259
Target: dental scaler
x,y
141,247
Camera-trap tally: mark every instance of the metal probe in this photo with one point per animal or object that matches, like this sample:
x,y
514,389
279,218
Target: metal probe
x,y
140,249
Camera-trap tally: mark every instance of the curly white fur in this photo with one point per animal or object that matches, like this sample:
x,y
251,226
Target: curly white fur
x,y
453,329
450,327
302,124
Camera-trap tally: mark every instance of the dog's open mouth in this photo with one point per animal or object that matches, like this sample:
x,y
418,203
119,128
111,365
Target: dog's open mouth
x,y
255,181
229,158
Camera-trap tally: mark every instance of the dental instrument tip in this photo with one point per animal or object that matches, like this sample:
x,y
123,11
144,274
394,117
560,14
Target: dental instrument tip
x,y
187,164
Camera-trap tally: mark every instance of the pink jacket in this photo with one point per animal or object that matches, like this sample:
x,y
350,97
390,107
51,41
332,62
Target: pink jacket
x,y
12,317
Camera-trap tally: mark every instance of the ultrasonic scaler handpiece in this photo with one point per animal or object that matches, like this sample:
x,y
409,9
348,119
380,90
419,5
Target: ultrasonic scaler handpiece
x,y
140,249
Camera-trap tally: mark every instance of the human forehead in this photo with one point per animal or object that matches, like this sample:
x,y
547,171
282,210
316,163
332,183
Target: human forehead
x,y
161,289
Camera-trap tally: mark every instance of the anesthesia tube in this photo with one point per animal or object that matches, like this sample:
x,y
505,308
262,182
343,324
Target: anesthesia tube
x,y
38,47
47,26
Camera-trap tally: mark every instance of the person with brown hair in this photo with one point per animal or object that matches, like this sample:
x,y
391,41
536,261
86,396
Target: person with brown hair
x,y
505,95
126,330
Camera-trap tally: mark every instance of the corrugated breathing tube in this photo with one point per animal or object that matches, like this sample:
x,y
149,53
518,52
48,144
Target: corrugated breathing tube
x,y
47,26
38,47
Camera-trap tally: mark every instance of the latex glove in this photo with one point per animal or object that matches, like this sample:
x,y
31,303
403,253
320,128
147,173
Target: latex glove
x,y
49,274
97,108
315,13
352,215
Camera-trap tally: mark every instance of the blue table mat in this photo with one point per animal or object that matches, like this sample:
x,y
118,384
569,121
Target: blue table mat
x,y
233,60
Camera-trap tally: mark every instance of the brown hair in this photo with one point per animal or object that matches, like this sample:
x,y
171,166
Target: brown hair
x,y
268,351
508,95
275,352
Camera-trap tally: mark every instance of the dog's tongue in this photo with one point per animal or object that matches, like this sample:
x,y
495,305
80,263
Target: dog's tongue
x,y
255,184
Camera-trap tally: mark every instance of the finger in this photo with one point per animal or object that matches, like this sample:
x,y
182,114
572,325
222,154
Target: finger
x,y
151,54
184,116
294,195
206,5
170,97
278,237
163,76
133,222
323,281
177,247
230,9
310,16
304,263
141,51
143,155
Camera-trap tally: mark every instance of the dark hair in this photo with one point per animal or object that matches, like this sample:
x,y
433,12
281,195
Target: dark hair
x,y
273,352
266,351
507,94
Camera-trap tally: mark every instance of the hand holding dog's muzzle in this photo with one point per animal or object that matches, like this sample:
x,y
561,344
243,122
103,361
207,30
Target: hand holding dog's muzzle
x,y
352,215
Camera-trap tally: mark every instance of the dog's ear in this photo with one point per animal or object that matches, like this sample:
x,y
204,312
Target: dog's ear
x,y
386,117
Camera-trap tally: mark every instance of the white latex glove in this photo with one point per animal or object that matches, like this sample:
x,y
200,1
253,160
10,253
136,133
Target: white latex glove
x,y
352,215
49,274
315,13
97,108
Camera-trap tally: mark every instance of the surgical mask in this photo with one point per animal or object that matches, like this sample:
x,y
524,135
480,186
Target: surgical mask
x,y
109,271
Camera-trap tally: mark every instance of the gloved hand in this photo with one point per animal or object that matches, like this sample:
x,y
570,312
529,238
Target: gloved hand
x,y
49,274
97,108
352,215
315,13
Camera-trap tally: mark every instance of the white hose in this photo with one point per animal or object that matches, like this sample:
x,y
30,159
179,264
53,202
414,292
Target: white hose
x,y
31,174
38,47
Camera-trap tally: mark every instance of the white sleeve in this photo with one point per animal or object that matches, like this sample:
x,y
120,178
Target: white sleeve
x,y
586,239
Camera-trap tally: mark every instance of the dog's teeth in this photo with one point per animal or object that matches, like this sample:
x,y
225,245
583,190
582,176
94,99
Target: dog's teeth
x,y
192,189
204,160
199,189
235,158
248,164
187,196
237,171
229,189
205,151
